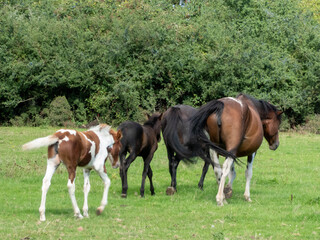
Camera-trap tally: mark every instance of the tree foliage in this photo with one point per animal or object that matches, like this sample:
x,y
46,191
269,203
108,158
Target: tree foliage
x,y
119,59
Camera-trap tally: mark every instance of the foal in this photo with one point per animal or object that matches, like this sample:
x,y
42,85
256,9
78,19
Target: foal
x,y
141,141
89,150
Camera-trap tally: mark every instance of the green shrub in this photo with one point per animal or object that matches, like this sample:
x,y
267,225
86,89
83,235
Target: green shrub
x,y
120,59
60,113
312,124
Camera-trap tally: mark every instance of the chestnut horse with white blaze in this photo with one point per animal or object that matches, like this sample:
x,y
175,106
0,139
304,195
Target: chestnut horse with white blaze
x,y
89,150
239,128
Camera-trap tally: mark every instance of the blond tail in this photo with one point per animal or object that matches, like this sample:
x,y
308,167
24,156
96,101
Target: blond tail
x,y
40,142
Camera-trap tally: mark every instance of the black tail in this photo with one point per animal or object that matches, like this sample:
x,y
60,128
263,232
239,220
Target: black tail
x,y
198,139
171,123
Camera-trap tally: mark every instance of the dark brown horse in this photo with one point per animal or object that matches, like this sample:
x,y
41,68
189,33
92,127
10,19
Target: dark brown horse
x,y
141,141
239,128
175,130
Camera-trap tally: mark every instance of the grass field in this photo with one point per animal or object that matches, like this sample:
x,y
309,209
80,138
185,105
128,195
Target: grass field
x,y
285,191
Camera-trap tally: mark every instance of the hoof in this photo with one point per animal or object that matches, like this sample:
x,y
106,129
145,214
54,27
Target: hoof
x,y
123,195
42,219
78,216
86,215
220,203
153,193
248,199
170,191
227,192
99,211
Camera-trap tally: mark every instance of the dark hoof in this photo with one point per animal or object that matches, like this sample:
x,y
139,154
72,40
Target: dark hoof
x,y
170,191
153,193
200,187
227,192
123,195
98,212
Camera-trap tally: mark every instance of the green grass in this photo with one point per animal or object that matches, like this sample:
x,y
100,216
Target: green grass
x,y
292,170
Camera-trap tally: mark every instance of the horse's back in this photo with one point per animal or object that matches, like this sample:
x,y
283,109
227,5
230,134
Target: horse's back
x,y
132,134
239,128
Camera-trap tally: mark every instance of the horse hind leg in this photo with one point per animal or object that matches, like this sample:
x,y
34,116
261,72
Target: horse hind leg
x,y
124,165
173,165
228,188
216,168
150,174
72,188
145,172
248,177
86,190
203,175
52,164
220,198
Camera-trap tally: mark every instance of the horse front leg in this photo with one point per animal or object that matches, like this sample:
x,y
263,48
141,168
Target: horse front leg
x,y
248,177
52,165
106,181
86,190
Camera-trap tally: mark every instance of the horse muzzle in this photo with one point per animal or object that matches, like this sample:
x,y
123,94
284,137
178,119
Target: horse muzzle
x,y
274,146
116,165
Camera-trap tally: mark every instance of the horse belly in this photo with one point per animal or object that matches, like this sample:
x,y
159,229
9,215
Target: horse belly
x,y
249,146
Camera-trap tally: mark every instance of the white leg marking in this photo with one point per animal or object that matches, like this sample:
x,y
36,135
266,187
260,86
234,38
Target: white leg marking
x,y
72,189
86,190
107,184
248,179
217,166
232,175
225,171
52,165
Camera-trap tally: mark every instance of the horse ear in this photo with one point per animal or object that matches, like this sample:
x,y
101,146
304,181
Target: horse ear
x,y
279,112
160,117
148,116
119,134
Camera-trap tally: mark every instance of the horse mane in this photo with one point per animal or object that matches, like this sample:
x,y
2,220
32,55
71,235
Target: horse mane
x,y
262,106
101,128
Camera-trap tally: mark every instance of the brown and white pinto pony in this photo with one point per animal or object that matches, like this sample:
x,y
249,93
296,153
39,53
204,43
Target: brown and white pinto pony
x,y
239,127
89,150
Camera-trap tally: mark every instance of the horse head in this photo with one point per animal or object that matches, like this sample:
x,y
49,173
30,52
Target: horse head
x,y
271,128
113,151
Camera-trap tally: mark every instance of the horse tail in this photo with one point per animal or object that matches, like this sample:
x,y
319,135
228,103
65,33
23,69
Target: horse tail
x,y
170,123
41,142
199,139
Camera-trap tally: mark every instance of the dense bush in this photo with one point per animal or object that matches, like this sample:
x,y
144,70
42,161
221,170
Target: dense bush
x,y
119,59
59,113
